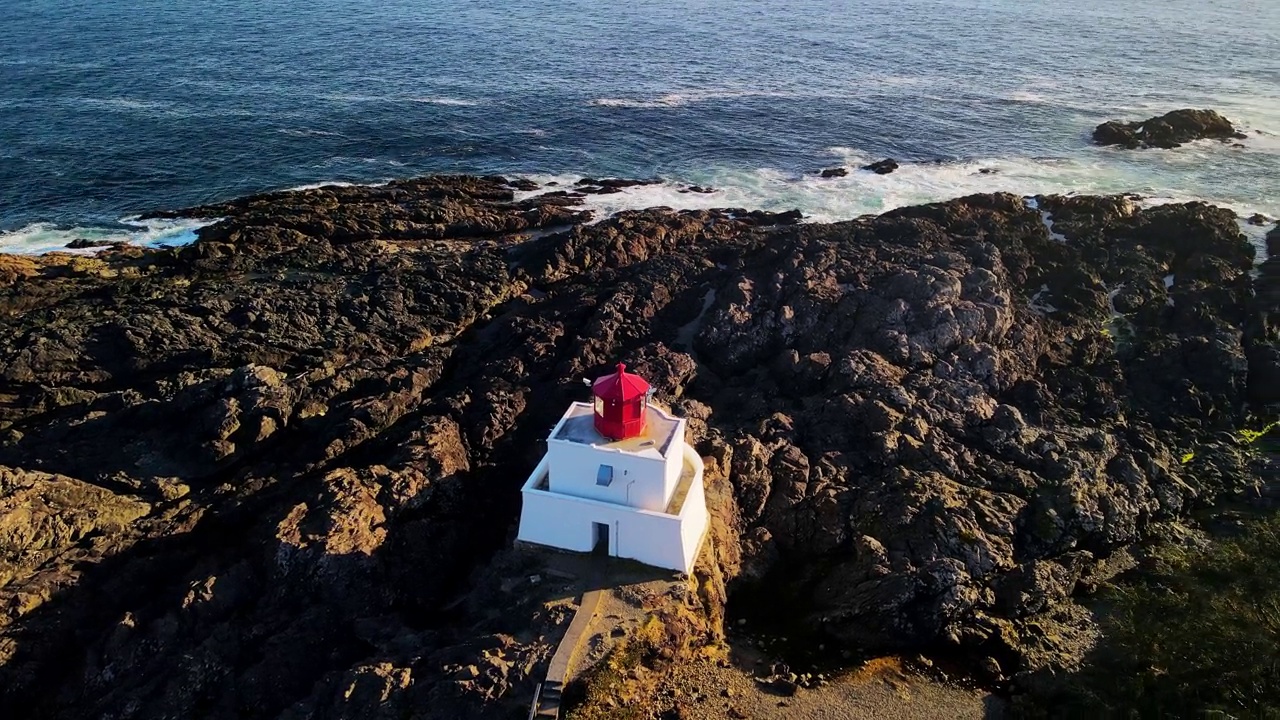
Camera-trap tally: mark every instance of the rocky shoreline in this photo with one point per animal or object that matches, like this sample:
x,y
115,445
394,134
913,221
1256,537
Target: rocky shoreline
x,y
275,473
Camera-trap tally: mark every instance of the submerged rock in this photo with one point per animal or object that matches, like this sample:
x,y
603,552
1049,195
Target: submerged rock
x,y
1167,131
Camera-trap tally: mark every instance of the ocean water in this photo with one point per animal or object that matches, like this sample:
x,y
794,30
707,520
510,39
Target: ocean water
x,y
110,108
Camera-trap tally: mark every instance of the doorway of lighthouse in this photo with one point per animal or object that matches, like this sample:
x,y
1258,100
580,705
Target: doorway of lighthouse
x,y
600,533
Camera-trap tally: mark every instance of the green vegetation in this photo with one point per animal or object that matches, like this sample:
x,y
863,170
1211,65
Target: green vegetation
x,y
1252,436
600,687
1198,637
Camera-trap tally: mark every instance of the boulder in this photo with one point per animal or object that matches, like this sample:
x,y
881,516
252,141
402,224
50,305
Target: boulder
x,y
1167,131
85,243
882,167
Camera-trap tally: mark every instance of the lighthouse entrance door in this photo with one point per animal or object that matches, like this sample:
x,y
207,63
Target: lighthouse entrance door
x,y
600,538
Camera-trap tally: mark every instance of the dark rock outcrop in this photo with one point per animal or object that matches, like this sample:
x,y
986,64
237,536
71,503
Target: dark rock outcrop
x,y
834,172
85,243
272,473
882,167
1167,131
608,186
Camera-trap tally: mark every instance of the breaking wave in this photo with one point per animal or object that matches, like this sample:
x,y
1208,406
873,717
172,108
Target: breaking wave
x,y
862,192
40,238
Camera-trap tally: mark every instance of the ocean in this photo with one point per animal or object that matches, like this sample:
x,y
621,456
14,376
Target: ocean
x,y
111,108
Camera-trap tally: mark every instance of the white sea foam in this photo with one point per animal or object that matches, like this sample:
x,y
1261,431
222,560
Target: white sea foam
x,y
680,98
330,183
122,103
1028,96
666,101
343,161
41,238
688,97
1047,218
356,98
309,132
352,98
862,192
445,101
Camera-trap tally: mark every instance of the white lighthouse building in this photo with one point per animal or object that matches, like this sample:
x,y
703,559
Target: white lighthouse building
x,y
618,479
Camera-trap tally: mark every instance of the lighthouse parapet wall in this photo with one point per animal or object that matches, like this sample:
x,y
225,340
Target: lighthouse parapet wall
x,y
641,472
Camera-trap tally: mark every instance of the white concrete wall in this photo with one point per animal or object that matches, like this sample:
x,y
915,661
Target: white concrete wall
x,y
694,518
566,522
652,538
675,463
637,481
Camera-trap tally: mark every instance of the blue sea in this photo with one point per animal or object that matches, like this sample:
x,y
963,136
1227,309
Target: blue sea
x,y
110,108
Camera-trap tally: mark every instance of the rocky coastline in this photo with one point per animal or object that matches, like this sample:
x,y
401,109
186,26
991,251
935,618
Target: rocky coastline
x,y
275,473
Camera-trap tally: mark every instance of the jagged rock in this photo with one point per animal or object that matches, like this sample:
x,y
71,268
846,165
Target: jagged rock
x,y
524,184
273,468
85,243
834,172
43,519
1167,131
882,167
607,186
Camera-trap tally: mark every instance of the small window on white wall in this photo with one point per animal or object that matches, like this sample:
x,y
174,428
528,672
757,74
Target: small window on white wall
x,y
604,476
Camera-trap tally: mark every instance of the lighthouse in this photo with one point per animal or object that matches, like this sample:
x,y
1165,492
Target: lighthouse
x,y
619,480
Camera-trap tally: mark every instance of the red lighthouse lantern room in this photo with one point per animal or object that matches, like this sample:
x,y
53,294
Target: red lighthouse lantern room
x,y
621,400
